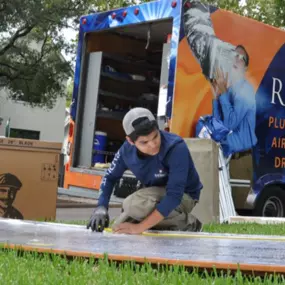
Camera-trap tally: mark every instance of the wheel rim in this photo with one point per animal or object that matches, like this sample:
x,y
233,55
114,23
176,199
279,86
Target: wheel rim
x,y
273,207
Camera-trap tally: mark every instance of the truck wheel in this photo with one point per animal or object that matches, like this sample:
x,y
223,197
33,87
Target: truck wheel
x,y
271,203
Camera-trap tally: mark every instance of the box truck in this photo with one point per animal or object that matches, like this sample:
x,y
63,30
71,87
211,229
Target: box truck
x,y
189,63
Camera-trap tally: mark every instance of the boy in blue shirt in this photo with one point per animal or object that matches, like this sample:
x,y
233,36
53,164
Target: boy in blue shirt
x,y
161,161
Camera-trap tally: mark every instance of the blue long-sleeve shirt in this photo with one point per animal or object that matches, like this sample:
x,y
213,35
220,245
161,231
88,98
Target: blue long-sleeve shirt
x,y
236,108
172,167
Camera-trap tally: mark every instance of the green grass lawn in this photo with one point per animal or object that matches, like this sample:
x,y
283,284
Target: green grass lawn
x,y
32,268
246,228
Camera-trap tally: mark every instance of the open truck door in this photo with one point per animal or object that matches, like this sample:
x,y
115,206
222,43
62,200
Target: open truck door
x,y
126,58
168,56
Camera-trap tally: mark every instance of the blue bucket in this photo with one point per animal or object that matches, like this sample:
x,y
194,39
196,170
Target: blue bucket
x,y
100,143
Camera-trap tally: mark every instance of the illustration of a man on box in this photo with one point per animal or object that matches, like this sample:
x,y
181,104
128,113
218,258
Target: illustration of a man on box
x,y
9,187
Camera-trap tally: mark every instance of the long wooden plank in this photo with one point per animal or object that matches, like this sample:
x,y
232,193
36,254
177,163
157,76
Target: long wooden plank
x,y
258,254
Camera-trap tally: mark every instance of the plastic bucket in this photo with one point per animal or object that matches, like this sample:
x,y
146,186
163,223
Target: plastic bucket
x,y
100,143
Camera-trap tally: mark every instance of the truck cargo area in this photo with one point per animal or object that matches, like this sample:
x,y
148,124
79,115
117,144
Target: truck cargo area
x,y
122,68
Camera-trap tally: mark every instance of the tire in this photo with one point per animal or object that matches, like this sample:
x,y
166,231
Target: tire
x,y
271,203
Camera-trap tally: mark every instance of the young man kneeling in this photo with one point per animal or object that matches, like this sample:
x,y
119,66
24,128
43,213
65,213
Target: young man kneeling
x,y
162,162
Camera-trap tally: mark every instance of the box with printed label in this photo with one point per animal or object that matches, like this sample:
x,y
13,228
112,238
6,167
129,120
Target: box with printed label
x,y
28,178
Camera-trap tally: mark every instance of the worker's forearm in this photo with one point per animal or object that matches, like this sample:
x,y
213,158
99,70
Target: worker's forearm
x,y
153,219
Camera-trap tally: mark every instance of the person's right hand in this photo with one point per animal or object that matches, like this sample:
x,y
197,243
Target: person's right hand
x,y
99,219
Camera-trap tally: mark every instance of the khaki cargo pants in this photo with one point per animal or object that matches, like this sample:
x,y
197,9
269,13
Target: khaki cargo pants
x,y
140,204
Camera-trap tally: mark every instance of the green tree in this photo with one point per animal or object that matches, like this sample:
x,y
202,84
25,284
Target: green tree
x,y
69,91
103,5
32,67
270,12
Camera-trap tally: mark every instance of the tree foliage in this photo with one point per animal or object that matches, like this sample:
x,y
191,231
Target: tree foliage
x,y
32,67
270,12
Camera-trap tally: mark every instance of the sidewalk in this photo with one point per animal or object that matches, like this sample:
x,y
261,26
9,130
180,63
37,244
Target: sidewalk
x,y
78,205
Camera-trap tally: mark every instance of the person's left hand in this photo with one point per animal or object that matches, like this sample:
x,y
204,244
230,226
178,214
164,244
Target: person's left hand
x,y
128,228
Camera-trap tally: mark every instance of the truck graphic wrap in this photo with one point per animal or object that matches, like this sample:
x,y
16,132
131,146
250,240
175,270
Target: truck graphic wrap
x,y
253,107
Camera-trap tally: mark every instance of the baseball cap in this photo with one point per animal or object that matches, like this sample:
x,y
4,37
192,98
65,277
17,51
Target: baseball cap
x,y
133,115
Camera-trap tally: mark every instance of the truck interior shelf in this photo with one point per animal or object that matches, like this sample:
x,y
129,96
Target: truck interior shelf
x,y
111,115
132,60
123,78
129,98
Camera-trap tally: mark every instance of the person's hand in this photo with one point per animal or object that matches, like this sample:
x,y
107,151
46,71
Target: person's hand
x,y
99,219
221,81
128,228
215,89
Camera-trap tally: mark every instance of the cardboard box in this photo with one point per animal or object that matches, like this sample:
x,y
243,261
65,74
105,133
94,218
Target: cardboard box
x,y
28,178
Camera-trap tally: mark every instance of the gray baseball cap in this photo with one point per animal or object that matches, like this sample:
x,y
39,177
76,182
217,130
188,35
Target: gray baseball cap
x,y
133,115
